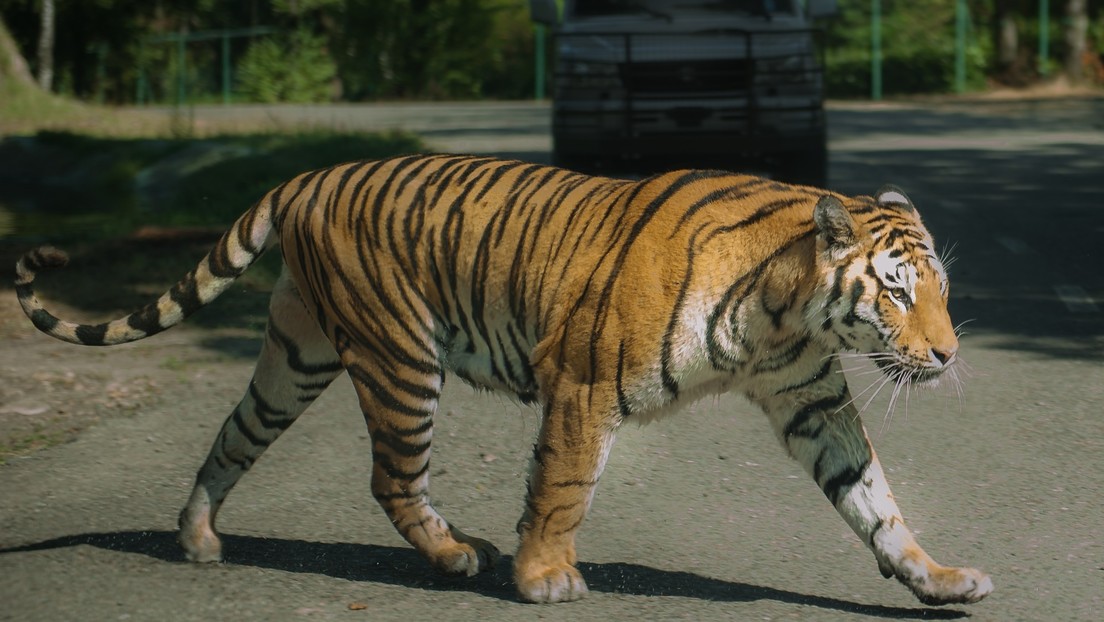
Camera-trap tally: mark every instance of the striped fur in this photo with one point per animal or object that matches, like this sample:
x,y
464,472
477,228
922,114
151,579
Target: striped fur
x,y
603,300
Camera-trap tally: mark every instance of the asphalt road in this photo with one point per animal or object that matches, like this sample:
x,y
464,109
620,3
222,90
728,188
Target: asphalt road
x,y
699,516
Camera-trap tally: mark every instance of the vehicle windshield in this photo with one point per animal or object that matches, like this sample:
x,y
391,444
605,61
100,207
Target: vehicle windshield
x,y
666,8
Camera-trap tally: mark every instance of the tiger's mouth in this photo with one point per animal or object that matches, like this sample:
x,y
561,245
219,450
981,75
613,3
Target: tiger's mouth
x,y
920,376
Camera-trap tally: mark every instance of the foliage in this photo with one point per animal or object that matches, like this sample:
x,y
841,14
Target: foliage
x,y
302,72
117,51
434,49
918,48
352,49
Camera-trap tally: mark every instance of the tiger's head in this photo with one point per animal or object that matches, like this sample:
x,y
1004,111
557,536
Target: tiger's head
x,y
886,288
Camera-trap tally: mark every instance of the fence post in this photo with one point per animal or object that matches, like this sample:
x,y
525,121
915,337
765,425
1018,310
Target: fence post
x,y
140,83
960,47
1044,36
181,70
875,49
538,38
225,67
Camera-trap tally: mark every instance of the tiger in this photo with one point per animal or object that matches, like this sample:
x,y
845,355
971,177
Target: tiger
x,y
599,300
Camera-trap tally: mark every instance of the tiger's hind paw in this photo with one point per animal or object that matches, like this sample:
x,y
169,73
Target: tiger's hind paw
x,y
466,556
200,545
197,534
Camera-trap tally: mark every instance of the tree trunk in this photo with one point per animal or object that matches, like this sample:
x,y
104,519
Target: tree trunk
x,y
1005,35
46,46
1076,29
12,64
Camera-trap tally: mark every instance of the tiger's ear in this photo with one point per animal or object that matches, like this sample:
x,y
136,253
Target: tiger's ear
x,y
834,222
892,195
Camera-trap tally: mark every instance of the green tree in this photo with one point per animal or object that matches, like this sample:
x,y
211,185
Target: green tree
x,y
46,45
299,71
434,49
918,39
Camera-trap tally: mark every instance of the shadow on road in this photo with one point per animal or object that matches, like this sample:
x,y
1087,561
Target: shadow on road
x,y
404,567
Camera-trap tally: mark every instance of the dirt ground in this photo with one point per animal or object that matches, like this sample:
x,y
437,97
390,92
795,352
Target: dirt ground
x,y
51,391
47,396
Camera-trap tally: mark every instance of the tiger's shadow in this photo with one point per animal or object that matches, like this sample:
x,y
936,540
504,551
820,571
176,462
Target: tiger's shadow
x,y
403,567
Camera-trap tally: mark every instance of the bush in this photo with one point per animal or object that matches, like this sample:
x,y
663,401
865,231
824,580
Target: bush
x,y
298,71
918,49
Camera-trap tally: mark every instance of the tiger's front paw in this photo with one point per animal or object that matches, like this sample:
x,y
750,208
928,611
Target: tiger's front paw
x,y
552,584
947,586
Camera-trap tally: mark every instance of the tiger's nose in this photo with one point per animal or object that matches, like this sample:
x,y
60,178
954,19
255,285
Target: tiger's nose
x,y
944,355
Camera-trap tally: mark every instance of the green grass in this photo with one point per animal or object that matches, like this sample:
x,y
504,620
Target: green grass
x,y
41,437
83,178
97,187
220,193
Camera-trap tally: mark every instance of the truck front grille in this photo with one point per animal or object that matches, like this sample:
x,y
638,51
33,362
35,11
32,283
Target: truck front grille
x,y
686,77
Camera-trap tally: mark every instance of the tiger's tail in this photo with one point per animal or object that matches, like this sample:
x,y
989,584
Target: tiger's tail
x,y
237,249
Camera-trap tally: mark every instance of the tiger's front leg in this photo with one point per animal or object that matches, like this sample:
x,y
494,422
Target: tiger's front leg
x,y
828,439
568,459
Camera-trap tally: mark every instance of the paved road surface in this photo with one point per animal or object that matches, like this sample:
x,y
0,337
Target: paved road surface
x,y
699,516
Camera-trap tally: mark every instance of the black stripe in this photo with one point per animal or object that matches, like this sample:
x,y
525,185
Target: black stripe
x,y
836,486
426,426
728,193
574,483
526,378
785,358
650,210
43,321
401,447
383,193
800,423
239,421
736,293
186,296
877,527
851,318
264,409
393,472
218,260
622,398
24,290
801,384
295,357
402,495
761,213
92,335
146,320
384,397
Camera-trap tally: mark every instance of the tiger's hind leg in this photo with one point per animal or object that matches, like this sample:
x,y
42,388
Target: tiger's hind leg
x,y
296,363
828,439
398,391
